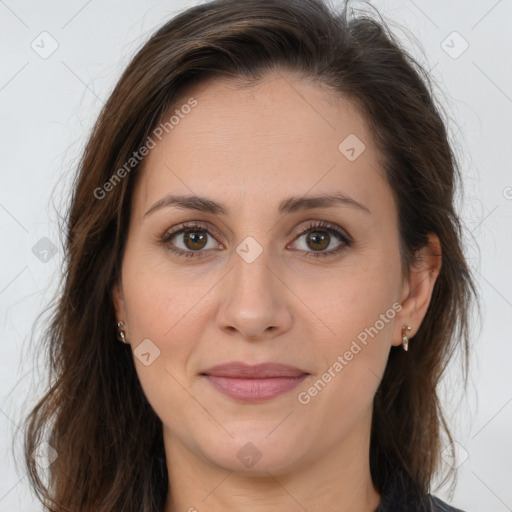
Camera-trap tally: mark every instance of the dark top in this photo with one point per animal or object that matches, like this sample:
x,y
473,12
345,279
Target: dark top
x,y
398,496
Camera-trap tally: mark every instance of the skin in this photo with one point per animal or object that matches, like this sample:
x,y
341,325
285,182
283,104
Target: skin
x,y
251,148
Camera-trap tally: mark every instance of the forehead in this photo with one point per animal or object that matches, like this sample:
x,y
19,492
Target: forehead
x,y
282,135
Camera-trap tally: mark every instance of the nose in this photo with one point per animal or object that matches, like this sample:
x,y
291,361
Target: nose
x,y
255,301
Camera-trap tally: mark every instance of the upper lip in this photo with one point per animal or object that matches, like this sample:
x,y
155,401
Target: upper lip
x,y
238,369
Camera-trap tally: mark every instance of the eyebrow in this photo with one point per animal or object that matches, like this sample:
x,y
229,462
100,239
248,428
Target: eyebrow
x,y
290,205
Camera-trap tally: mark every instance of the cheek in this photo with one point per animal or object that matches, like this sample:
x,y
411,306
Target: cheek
x,y
161,298
351,300
354,355
160,307
157,305
359,307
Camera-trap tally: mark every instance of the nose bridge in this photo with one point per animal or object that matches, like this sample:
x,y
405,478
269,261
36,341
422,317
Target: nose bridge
x,y
251,277
252,299
253,249
256,253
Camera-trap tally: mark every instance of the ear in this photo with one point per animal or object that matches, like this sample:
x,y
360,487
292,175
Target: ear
x,y
417,290
118,301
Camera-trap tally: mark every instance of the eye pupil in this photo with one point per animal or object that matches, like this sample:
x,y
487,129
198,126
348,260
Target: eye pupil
x,y
317,237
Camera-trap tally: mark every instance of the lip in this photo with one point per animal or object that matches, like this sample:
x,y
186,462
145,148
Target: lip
x,y
237,369
254,383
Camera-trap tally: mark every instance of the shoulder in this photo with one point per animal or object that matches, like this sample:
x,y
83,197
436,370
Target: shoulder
x,y
440,506
400,494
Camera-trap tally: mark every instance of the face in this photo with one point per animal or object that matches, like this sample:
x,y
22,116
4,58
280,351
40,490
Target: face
x,y
264,275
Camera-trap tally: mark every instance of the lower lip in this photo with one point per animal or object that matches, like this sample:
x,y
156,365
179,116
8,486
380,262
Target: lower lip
x,y
254,390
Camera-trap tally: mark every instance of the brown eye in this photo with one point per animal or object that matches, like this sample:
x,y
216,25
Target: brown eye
x,y
318,240
195,240
190,241
318,236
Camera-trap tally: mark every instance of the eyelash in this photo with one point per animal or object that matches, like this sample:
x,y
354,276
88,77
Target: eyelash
x,y
311,227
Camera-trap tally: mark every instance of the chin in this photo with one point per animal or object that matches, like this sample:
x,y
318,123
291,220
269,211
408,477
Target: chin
x,y
255,454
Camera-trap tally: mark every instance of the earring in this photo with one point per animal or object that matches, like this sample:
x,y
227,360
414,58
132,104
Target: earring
x,y
405,339
120,333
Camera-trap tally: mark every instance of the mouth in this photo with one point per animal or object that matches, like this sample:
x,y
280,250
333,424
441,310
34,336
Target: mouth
x,y
255,383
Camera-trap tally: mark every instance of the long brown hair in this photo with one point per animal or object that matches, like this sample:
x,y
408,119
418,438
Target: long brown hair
x,y
95,415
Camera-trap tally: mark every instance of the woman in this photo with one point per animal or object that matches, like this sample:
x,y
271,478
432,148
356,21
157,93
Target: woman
x,y
263,217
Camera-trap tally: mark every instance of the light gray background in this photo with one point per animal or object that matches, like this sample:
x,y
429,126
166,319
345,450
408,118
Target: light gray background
x,y
48,106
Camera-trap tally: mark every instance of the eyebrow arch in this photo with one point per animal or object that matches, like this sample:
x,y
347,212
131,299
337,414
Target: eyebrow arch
x,y
290,205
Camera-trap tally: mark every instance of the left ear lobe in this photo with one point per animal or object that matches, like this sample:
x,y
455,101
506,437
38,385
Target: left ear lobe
x,y
417,291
